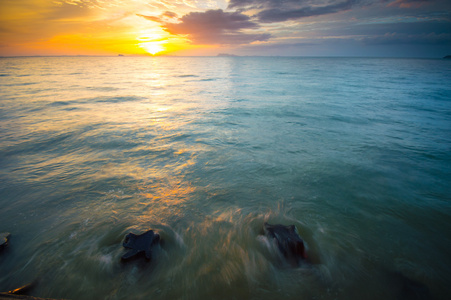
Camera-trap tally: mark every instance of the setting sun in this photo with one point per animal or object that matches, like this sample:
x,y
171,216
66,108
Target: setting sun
x,y
153,47
238,27
82,28
147,145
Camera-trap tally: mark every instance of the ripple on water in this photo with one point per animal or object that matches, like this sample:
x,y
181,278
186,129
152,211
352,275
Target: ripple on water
x,y
361,168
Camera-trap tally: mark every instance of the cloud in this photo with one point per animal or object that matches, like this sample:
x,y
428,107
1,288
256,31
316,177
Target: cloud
x,y
259,4
283,10
167,16
408,3
409,39
214,27
280,15
151,18
170,14
88,3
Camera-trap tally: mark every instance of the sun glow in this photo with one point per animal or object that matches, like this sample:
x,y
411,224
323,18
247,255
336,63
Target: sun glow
x,y
152,42
72,27
153,47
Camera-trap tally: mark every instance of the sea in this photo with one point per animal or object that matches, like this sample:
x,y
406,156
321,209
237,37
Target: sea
x,y
354,152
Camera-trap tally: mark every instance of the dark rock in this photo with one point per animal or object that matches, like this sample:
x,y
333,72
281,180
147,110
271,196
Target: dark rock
x,y
7,296
287,240
20,293
4,237
140,244
447,57
410,289
23,290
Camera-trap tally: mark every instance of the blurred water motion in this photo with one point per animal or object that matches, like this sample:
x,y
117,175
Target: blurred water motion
x,y
354,152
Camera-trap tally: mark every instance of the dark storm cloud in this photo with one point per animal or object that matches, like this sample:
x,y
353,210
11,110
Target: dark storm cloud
x,y
284,10
216,27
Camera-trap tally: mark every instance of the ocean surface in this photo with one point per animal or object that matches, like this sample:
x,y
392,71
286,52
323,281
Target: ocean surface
x,y
355,152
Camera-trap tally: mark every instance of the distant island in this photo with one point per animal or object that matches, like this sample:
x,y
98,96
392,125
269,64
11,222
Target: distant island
x,y
447,57
120,54
226,55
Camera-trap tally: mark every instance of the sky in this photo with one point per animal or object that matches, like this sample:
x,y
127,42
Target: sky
x,y
387,28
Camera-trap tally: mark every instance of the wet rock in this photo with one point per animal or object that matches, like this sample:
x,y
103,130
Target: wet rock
x,y
4,237
7,296
288,241
140,245
23,290
409,289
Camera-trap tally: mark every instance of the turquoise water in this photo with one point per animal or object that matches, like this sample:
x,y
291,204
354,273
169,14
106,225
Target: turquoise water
x,y
355,152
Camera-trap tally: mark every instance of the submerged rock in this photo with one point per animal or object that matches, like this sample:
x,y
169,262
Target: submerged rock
x,y
4,237
140,244
288,241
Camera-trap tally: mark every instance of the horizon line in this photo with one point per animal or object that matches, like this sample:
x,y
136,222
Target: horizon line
x,y
228,56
